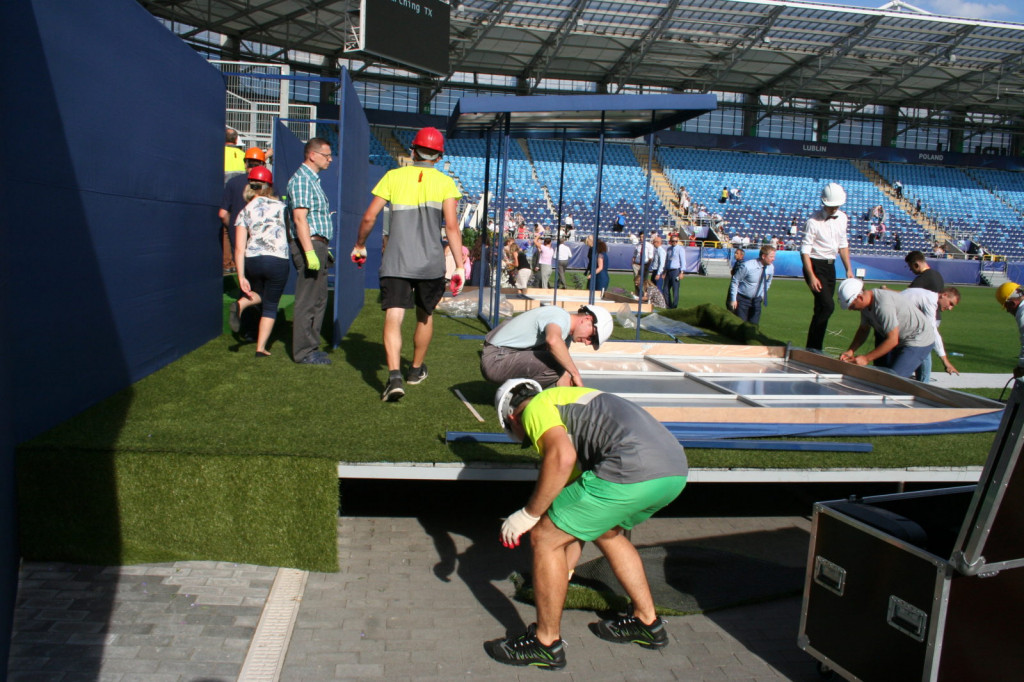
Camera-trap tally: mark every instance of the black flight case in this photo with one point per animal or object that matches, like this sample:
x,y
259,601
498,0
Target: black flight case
x,y
924,585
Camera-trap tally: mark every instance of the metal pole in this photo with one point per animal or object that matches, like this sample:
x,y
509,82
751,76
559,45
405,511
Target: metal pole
x,y
597,211
558,218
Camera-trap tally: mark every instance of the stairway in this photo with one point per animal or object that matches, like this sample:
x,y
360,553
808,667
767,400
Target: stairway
x,y
398,152
661,186
716,267
994,278
930,226
523,144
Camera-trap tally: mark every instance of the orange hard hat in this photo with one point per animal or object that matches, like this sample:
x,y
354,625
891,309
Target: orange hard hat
x,y
255,153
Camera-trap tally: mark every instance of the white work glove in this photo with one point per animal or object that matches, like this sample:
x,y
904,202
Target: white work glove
x,y
515,525
458,281
359,256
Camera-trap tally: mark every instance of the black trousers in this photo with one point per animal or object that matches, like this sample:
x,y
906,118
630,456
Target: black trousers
x,y
824,301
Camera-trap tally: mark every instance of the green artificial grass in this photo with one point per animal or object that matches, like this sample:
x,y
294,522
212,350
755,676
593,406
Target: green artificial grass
x,y
126,507
222,456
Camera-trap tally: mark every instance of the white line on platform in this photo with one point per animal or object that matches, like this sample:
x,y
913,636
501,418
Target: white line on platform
x,y
528,472
265,659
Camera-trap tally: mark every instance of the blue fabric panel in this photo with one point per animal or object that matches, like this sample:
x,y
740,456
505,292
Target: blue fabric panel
x,y
976,424
1015,271
716,444
375,242
881,268
116,259
353,163
288,156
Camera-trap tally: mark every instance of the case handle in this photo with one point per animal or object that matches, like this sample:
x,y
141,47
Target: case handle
x,y
907,618
829,575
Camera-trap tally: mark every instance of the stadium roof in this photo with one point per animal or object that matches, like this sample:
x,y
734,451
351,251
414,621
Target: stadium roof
x,y
894,56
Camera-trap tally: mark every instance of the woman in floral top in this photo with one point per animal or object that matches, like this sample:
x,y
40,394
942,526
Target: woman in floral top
x,y
261,254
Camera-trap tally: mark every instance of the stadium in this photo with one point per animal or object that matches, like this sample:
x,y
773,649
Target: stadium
x,y
116,337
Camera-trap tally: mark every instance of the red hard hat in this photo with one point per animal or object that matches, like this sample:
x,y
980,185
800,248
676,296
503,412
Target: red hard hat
x,y
429,138
255,153
261,173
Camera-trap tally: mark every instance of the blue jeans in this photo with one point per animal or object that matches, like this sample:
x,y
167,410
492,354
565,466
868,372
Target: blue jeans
x,y
924,372
903,360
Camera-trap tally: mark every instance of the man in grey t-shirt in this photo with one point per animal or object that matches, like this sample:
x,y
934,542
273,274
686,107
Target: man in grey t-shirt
x,y
535,344
907,333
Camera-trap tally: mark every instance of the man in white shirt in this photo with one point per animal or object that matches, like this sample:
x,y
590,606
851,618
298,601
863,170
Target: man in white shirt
x,y
824,239
657,271
932,304
643,254
562,257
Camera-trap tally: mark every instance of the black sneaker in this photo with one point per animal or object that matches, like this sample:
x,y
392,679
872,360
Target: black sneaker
x,y
526,649
629,630
393,391
416,374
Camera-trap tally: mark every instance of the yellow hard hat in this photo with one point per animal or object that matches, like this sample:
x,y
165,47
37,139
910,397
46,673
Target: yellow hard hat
x,y
1006,290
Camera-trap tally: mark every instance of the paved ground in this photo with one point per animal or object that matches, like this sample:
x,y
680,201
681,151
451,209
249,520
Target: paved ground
x,y
416,596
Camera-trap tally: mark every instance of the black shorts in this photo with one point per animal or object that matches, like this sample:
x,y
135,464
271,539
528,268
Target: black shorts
x,y
398,292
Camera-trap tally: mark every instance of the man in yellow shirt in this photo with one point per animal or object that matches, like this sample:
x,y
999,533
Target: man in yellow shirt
x,y
412,269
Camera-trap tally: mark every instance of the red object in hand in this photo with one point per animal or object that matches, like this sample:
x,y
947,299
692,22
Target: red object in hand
x,y
456,284
359,260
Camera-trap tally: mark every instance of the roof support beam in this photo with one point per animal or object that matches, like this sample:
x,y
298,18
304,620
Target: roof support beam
x,y
469,41
838,51
940,52
535,71
736,53
634,56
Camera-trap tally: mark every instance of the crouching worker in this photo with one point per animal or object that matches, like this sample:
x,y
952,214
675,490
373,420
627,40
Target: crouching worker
x,y
535,344
631,467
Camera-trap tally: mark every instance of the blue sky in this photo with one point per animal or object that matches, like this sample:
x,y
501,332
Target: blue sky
x,y
996,10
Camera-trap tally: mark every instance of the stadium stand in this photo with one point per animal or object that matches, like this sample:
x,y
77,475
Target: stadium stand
x,y
961,204
776,188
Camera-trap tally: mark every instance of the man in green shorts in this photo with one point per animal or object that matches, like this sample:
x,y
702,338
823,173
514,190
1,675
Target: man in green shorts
x,y
631,467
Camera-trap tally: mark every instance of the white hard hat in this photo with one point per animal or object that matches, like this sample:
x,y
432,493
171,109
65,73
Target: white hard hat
x,y
604,324
511,389
849,289
833,194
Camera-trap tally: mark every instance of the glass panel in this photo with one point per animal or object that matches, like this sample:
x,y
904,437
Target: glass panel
x,y
717,366
612,364
800,387
655,383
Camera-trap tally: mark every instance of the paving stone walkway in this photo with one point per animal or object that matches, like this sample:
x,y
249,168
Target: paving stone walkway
x,y
414,600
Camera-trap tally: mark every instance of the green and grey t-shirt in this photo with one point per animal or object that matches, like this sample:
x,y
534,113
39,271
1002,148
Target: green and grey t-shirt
x,y
615,438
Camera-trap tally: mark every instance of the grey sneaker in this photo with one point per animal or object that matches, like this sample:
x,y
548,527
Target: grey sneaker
x,y
630,630
416,375
393,392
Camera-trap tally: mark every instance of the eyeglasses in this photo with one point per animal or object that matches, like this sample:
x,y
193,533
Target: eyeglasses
x,y
325,154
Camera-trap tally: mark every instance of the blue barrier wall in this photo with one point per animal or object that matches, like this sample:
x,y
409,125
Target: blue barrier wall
x,y
117,269
111,238
353,165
